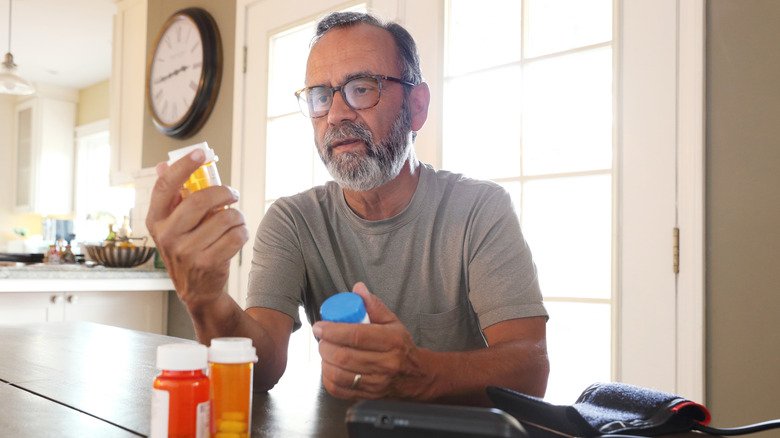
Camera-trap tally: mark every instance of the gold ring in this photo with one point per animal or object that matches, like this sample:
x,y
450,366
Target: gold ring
x,y
356,381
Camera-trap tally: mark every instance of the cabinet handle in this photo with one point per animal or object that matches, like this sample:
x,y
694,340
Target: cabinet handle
x,y
73,299
54,299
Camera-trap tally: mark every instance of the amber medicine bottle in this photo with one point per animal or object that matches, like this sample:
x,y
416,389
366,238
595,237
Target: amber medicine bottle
x,y
231,361
180,394
206,175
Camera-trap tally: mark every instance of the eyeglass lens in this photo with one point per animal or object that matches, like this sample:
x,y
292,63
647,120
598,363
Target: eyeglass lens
x,y
359,93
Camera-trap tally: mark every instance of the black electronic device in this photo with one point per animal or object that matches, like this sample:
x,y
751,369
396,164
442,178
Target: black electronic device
x,y
390,419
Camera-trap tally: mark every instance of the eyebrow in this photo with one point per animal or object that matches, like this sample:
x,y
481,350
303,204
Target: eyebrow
x,y
347,78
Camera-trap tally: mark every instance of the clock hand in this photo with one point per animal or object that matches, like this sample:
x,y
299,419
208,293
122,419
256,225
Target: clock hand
x,y
171,74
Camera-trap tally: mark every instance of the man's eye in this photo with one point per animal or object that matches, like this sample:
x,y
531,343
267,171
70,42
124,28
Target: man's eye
x,y
359,91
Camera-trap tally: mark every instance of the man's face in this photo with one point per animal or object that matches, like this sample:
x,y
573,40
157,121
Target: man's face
x,y
366,148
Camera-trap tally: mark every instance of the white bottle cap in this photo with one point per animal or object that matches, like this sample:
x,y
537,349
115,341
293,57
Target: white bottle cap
x,y
232,350
176,154
182,357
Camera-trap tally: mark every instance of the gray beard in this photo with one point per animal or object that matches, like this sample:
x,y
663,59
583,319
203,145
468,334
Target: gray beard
x,y
381,162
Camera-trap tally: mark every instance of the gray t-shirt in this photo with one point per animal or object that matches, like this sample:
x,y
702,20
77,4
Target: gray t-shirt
x,y
451,263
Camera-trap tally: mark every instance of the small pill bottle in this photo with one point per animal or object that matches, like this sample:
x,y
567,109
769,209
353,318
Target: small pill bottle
x,y
206,175
230,369
344,307
180,394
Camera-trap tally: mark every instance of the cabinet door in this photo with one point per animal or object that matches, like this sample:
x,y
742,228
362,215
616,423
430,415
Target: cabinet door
x,y
23,177
23,307
44,154
144,311
127,90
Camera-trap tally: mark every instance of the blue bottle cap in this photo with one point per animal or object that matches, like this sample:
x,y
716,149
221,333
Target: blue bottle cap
x,y
343,307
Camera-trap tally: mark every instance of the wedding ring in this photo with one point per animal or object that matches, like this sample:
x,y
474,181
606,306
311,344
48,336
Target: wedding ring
x,y
356,381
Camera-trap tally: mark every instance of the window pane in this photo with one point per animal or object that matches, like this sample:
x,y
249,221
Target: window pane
x,y
289,161
287,64
567,113
556,25
481,124
515,189
579,344
477,29
568,225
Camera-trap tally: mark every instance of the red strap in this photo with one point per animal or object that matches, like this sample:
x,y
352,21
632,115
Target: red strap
x,y
698,407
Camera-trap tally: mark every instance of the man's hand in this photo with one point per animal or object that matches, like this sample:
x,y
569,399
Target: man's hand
x,y
390,365
382,353
196,236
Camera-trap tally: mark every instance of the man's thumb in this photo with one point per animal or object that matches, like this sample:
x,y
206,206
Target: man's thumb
x,y
378,313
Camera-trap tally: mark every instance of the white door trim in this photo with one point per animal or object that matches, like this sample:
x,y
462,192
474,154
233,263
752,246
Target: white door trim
x,y
660,112
690,200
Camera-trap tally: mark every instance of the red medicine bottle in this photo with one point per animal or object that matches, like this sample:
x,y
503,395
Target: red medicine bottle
x,y
180,394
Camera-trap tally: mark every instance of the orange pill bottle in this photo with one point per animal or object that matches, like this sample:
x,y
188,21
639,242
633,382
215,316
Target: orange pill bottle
x,y
180,394
231,361
204,176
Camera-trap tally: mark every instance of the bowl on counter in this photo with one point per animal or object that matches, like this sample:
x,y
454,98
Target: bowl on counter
x,y
116,256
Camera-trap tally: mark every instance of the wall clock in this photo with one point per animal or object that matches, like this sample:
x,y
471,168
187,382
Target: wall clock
x,y
184,72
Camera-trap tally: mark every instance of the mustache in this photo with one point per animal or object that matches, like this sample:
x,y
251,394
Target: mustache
x,y
348,130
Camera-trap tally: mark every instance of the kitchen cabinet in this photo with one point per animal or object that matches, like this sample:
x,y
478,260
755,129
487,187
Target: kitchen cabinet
x,y
44,144
127,90
138,310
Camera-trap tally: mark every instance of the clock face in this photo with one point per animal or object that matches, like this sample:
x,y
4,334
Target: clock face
x,y
184,72
176,71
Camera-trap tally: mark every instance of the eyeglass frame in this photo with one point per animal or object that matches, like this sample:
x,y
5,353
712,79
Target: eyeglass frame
x,y
340,89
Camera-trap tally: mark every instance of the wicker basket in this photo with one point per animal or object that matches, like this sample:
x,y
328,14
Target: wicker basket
x,y
120,257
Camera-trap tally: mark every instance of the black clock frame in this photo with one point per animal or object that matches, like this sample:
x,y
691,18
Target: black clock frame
x,y
210,77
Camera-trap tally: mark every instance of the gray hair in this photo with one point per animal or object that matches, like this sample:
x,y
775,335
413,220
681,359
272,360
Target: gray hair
x,y
409,60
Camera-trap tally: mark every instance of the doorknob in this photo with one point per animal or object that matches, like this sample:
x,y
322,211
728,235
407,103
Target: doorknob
x,y
55,299
73,299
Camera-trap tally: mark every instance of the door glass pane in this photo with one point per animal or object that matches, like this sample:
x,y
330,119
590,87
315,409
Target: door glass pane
x,y
481,121
542,128
476,31
568,225
556,25
288,53
567,113
289,154
578,344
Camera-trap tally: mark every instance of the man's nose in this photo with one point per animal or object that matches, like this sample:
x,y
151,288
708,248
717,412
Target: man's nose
x,y
339,110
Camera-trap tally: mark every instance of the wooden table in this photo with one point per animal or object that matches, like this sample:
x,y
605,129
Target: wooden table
x,y
83,379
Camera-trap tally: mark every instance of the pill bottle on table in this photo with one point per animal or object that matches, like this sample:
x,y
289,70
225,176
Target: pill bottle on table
x,y
180,394
206,175
344,307
231,361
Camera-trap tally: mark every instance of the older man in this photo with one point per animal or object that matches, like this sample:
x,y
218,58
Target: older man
x,y
454,303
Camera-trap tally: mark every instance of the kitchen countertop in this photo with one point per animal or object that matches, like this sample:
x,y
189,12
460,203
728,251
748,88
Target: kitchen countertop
x,y
78,277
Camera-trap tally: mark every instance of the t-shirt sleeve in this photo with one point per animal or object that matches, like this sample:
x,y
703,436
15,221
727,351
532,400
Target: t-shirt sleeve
x,y
502,277
277,277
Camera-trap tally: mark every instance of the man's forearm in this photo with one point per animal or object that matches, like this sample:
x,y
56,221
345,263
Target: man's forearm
x,y
461,377
225,318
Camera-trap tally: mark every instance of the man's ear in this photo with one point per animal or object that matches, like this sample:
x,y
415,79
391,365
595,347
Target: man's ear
x,y
419,99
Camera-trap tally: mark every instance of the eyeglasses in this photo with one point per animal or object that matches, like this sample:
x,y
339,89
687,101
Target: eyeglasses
x,y
359,93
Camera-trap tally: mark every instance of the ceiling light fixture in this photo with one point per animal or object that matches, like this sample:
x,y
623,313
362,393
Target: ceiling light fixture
x,y
10,82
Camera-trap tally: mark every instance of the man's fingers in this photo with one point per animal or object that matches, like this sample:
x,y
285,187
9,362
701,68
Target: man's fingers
x,y
166,192
354,360
223,235
200,204
371,337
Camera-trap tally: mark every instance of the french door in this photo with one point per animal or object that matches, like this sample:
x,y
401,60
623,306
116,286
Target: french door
x,y
654,319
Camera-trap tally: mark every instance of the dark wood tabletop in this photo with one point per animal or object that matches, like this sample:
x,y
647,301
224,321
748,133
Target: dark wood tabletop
x,y
84,379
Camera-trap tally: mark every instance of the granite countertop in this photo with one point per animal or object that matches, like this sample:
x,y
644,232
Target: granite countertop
x,y
80,272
